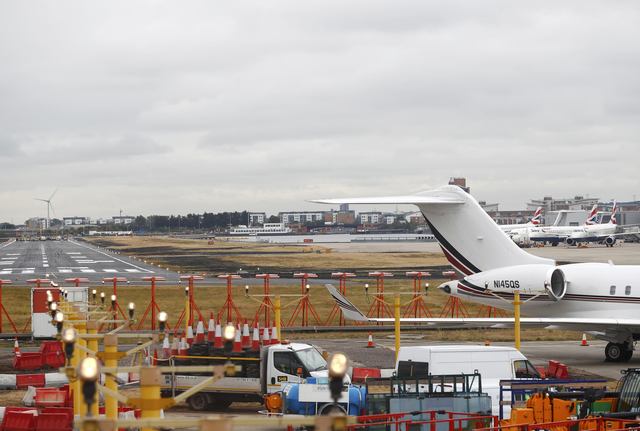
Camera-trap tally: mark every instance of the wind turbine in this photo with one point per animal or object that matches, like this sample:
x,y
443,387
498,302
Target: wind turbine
x,y
49,207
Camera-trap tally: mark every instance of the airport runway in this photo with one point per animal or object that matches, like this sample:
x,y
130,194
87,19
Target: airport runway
x,y
23,260
589,358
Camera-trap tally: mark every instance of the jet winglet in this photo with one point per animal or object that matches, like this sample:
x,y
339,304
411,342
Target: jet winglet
x,y
349,310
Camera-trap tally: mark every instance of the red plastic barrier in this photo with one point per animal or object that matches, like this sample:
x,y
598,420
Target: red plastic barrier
x,y
562,372
18,421
52,354
24,380
53,422
28,361
359,375
553,368
51,397
67,411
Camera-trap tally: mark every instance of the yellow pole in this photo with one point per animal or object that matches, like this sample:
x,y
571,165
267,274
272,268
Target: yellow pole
x,y
276,307
111,404
396,322
516,317
80,354
150,379
187,312
92,328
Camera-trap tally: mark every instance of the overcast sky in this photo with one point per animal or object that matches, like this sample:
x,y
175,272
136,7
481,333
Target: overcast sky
x,y
173,107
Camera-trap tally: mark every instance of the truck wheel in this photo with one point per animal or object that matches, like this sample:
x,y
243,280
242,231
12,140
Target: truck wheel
x,y
198,402
617,352
332,409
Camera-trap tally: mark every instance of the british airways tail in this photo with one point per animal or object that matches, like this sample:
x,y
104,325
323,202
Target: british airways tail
x,y
537,217
613,219
471,241
593,215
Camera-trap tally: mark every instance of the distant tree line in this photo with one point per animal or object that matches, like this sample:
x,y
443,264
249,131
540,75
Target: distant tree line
x,y
206,221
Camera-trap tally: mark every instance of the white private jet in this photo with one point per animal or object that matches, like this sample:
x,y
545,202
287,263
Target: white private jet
x,y
599,298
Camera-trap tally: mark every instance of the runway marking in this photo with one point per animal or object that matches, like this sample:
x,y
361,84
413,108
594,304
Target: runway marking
x,y
28,271
13,254
79,257
111,257
88,270
7,244
5,272
8,258
132,270
7,263
65,271
45,265
73,252
110,270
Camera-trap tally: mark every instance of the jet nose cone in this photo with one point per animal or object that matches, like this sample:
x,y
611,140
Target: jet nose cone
x,y
449,287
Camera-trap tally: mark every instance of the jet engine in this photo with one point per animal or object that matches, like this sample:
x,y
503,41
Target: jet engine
x,y
527,279
570,241
610,241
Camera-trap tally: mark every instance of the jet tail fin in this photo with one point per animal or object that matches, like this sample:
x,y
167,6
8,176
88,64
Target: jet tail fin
x,y
349,310
470,239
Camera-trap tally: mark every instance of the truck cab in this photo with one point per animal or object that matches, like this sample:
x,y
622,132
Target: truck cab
x,y
289,363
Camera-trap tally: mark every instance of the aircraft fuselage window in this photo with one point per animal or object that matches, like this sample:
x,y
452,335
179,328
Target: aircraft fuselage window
x,y
627,290
612,290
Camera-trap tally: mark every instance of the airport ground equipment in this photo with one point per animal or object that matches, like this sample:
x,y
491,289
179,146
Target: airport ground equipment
x,y
417,306
304,308
187,315
266,305
314,398
262,373
229,305
379,308
153,306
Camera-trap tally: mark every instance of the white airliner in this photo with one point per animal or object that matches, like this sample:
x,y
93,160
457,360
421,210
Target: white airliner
x,y
606,233
535,221
552,234
599,298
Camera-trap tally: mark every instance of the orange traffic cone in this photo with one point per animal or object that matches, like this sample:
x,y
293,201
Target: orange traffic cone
x,y
217,341
190,335
16,348
255,341
237,343
200,332
265,337
174,346
166,348
370,343
246,339
211,330
584,341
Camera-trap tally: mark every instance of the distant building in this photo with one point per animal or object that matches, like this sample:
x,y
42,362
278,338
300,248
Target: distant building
x,y
37,223
344,217
122,219
415,218
460,182
301,217
373,217
257,219
549,204
75,221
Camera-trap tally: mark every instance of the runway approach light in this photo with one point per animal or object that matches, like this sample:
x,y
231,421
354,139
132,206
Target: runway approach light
x,y
54,309
102,297
337,371
89,371
162,320
246,290
113,300
69,339
366,288
94,292
426,287
59,318
307,287
229,335
132,309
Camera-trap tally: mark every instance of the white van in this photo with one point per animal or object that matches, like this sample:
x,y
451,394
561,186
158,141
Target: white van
x,y
494,363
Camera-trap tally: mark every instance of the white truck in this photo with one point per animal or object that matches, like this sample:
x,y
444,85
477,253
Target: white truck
x,y
275,366
493,363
